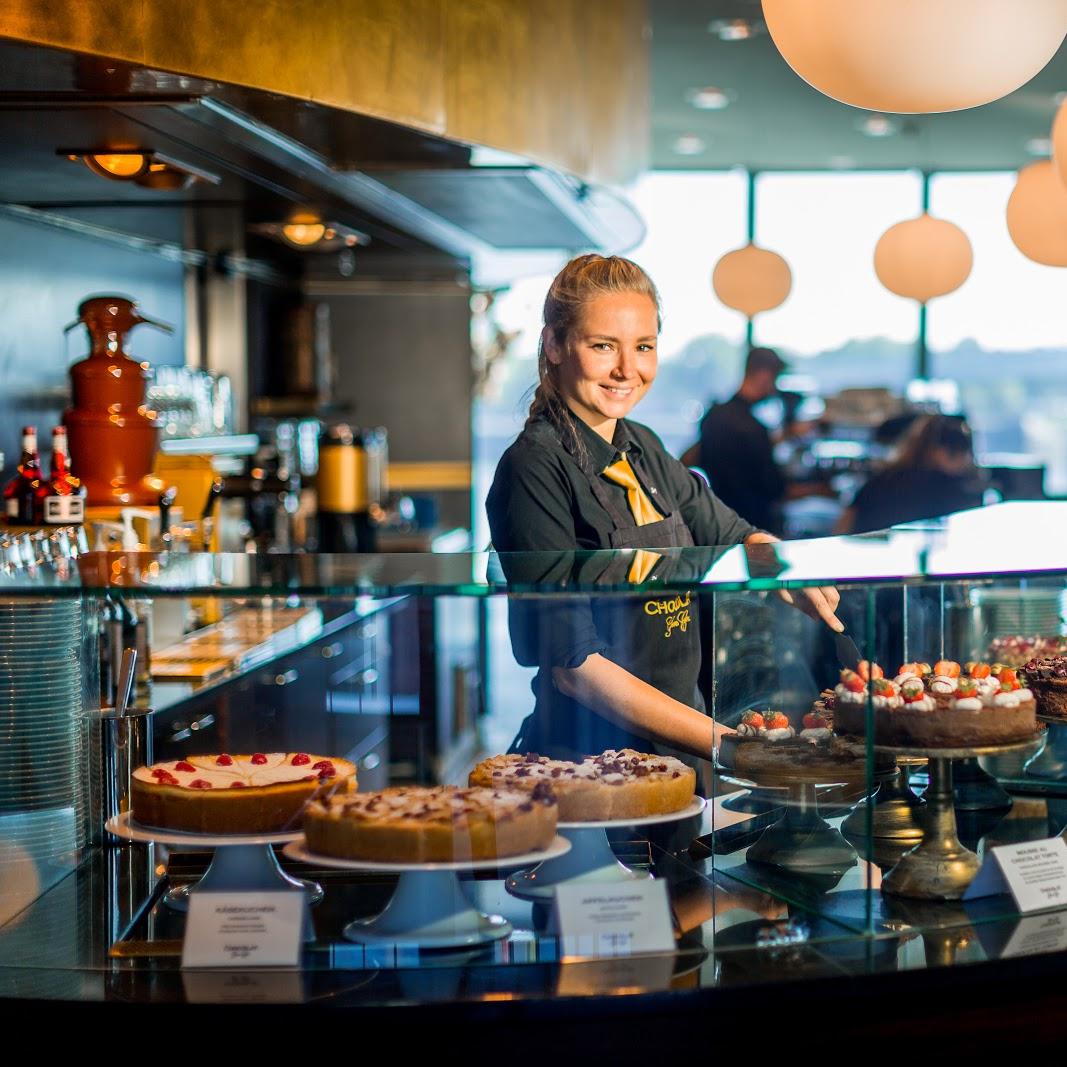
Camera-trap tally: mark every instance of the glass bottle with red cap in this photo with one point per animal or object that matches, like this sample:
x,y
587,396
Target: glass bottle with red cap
x,y
20,493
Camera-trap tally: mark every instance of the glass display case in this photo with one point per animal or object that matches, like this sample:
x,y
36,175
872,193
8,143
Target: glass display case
x,y
831,826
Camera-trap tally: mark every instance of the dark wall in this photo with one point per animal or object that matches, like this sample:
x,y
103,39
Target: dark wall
x,y
403,361
44,275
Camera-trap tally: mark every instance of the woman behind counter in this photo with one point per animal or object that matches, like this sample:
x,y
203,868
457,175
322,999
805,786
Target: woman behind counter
x,y
613,671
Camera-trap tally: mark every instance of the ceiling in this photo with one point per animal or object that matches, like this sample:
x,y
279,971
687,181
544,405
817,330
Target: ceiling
x,y
776,121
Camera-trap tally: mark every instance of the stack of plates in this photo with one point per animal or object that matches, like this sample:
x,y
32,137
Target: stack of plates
x,y
41,700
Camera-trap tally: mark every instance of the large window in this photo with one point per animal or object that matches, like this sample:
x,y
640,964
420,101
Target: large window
x,y
839,324
1002,335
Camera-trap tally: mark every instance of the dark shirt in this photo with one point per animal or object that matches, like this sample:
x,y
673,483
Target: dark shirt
x,y
897,496
737,454
541,502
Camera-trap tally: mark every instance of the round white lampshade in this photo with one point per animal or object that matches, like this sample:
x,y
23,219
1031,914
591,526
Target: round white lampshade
x,y
923,258
1037,214
752,279
916,56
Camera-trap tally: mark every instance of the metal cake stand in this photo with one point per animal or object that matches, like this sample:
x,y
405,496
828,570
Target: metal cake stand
x,y
896,812
801,841
590,858
242,862
429,908
940,867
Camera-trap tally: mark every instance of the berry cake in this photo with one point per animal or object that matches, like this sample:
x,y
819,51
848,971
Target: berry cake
x,y
769,751
1047,678
432,824
223,794
1017,651
622,784
943,706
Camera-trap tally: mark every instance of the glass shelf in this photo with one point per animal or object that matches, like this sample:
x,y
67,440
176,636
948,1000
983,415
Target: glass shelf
x,y
1016,539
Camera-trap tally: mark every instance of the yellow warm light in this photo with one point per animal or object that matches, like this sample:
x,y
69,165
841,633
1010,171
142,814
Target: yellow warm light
x,y
913,56
752,279
923,258
1037,215
303,233
122,166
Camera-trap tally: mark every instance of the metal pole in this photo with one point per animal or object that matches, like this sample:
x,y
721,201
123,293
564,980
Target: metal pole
x,y
922,355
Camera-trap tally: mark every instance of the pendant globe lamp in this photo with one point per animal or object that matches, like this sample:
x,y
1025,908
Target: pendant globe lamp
x,y
1037,214
923,258
752,279
916,56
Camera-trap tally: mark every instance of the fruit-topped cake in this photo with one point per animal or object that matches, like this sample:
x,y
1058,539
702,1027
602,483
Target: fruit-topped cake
x,y
616,784
765,726
264,792
1017,651
1047,679
766,749
945,706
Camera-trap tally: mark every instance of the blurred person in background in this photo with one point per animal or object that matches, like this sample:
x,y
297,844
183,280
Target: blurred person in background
x,y
736,450
933,474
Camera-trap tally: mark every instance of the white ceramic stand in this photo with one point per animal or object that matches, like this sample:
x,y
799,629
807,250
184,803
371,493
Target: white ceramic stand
x,y
242,862
429,908
590,858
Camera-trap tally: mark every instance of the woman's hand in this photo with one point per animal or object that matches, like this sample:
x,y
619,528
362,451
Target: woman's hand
x,y
818,602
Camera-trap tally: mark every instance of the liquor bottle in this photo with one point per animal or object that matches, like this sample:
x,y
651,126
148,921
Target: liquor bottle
x,y
20,494
61,498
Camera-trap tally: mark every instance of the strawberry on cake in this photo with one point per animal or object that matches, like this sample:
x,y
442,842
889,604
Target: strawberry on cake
x,y
264,792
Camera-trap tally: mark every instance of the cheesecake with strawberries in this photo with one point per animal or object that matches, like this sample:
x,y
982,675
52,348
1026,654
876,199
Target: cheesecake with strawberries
x,y
939,706
769,750
264,792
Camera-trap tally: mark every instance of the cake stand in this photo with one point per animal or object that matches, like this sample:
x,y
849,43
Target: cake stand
x,y
429,908
242,862
940,867
1051,762
590,858
896,812
801,841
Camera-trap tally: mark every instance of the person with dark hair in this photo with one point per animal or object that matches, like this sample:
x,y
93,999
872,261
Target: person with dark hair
x,y
735,449
613,671
932,474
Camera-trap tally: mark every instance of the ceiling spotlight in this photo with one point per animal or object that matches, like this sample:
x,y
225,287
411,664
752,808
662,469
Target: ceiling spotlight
x,y
709,98
143,167
1040,147
309,232
878,126
118,166
689,145
304,230
735,29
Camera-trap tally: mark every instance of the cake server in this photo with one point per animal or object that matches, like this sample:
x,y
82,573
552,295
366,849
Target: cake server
x,y
848,655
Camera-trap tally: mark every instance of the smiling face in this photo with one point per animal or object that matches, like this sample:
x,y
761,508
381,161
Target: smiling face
x,y
610,362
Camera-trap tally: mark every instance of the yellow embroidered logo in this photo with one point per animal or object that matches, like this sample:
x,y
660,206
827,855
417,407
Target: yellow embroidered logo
x,y
676,611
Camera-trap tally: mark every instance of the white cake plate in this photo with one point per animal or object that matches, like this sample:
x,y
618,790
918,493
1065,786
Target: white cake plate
x,y
242,862
429,908
590,858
